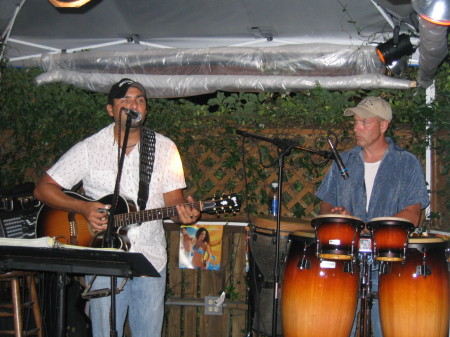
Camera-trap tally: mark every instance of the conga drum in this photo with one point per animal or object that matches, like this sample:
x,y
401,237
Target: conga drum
x,y
319,296
337,236
262,245
414,295
390,237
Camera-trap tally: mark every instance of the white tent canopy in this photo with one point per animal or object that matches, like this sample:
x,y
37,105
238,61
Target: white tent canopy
x,y
182,48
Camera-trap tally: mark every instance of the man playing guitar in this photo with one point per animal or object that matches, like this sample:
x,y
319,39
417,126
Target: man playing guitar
x,y
94,161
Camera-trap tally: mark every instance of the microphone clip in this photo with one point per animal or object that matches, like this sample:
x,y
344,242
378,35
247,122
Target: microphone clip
x,y
135,116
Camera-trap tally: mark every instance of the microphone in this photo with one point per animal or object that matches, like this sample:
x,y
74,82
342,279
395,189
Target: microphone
x,y
338,159
135,115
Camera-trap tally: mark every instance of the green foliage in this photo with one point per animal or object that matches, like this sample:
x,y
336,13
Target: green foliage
x,y
46,120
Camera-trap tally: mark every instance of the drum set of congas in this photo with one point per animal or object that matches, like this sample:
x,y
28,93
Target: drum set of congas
x,y
326,277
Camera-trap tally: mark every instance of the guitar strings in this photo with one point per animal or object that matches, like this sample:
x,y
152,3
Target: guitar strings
x,y
154,213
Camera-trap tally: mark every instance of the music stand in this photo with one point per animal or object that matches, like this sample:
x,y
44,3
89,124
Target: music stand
x,y
65,261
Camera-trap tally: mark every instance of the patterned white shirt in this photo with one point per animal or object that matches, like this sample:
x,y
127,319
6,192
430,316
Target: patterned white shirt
x,y
95,162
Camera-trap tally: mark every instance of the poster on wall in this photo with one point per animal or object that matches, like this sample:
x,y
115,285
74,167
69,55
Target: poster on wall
x,y
200,246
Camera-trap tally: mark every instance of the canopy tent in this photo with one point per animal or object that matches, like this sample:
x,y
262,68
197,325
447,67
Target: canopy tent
x,y
182,48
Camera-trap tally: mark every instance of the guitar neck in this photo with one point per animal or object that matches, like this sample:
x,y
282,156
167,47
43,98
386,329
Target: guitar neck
x,y
125,219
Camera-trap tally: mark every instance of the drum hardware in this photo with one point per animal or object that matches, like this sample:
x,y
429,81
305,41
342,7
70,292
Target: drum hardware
x,y
254,237
390,256
349,267
304,263
336,253
385,267
423,270
284,254
390,238
364,322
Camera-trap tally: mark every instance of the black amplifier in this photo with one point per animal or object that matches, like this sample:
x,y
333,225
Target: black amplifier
x,y
19,224
18,212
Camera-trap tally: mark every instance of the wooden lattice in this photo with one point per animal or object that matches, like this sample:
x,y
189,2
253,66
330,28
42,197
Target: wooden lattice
x,y
215,175
301,176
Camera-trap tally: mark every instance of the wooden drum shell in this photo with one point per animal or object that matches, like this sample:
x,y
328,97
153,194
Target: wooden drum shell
x,y
337,236
390,237
318,301
412,305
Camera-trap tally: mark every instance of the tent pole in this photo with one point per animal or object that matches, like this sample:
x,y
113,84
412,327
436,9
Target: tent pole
x,y
7,32
430,95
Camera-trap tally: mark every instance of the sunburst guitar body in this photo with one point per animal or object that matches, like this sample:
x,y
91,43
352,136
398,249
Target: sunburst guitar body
x,y
73,228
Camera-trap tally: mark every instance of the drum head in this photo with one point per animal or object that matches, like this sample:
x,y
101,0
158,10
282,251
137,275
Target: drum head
x,y
426,242
266,224
335,218
389,221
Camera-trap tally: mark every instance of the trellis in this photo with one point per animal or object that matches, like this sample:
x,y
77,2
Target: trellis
x,y
301,176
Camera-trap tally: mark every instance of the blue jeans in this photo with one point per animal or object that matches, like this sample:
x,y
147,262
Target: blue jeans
x,y
142,298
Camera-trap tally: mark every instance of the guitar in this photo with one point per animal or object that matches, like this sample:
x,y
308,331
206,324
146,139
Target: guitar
x,y
73,228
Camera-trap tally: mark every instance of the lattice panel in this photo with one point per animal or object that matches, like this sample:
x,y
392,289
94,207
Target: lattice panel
x,y
299,183
215,175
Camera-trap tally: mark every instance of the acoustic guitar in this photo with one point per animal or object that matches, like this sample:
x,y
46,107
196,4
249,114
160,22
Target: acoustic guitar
x,y
73,228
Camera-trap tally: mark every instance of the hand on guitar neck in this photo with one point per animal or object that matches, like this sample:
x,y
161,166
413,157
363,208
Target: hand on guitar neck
x,y
73,228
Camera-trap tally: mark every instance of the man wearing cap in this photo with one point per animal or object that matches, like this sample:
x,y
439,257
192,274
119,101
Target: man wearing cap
x,y
95,162
384,179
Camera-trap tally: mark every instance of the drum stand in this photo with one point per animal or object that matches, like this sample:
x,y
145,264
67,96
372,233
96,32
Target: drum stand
x,y
364,323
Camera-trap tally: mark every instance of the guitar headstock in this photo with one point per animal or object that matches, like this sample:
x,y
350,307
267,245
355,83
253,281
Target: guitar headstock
x,y
226,203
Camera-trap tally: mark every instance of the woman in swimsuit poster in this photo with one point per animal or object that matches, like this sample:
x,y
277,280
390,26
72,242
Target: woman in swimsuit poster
x,y
201,248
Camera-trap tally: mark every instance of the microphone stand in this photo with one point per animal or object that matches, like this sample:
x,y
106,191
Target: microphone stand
x,y
285,152
109,236
285,146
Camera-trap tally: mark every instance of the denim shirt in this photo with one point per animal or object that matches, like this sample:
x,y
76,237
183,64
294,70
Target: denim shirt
x,y
399,182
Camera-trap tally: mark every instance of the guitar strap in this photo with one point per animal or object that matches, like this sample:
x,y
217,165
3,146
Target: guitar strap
x,y
147,158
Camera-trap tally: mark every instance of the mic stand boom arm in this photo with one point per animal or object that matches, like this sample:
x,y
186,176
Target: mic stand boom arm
x,y
284,144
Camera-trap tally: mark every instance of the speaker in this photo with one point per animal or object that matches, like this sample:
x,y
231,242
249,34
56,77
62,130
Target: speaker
x,y
18,212
19,224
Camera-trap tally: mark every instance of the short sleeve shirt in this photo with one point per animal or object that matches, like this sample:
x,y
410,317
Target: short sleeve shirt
x,y
399,182
95,162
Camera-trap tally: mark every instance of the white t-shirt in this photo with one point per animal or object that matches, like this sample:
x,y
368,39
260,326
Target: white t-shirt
x,y
95,161
370,172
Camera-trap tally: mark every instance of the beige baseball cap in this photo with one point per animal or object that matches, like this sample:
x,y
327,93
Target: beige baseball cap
x,y
371,107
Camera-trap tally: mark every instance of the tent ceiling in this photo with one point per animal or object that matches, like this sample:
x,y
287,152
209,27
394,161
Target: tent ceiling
x,y
208,22
149,25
